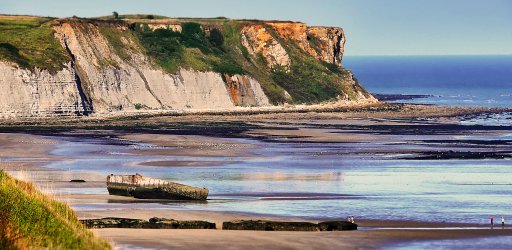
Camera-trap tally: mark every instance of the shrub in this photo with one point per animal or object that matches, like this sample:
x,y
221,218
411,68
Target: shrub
x,y
216,38
139,106
194,37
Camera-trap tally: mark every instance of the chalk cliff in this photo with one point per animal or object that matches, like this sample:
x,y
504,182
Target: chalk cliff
x,y
108,66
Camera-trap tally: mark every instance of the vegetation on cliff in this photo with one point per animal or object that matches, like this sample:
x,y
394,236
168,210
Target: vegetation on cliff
x,y
190,48
308,80
30,43
213,44
31,220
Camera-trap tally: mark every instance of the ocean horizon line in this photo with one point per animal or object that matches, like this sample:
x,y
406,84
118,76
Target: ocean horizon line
x,y
433,55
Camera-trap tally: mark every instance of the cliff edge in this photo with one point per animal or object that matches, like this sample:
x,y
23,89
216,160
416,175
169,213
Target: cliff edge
x,y
78,66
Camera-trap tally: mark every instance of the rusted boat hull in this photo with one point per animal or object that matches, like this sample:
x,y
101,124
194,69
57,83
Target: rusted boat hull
x,y
148,188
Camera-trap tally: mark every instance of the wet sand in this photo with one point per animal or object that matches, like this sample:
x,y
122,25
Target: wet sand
x,y
188,145
371,234
217,239
32,154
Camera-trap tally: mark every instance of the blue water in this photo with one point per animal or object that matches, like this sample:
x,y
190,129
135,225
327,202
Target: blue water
x,y
453,80
502,242
315,180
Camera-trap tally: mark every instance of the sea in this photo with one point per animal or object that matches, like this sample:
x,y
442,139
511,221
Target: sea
x,y
449,80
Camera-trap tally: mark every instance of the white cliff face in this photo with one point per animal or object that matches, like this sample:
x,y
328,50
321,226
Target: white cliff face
x,y
97,80
125,83
26,93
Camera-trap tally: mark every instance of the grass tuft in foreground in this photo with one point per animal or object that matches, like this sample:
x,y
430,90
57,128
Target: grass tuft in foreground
x,y
31,220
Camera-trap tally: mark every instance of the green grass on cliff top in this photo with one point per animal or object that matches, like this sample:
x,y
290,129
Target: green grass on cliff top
x,y
30,43
307,80
31,220
191,48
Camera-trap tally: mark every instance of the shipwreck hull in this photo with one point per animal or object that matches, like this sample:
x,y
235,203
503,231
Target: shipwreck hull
x,y
141,187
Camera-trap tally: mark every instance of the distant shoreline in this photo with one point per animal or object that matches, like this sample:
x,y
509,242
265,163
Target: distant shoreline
x,y
399,97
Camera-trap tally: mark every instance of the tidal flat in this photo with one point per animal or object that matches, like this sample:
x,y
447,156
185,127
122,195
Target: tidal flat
x,y
407,173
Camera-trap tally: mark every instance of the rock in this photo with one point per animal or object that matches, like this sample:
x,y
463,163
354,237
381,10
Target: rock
x,y
162,223
114,223
153,223
324,43
257,39
337,226
329,42
77,180
262,225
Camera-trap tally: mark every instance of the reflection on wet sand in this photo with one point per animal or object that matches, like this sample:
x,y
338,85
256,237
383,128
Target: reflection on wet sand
x,y
310,172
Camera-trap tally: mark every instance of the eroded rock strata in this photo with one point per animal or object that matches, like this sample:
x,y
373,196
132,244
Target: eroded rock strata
x,y
109,69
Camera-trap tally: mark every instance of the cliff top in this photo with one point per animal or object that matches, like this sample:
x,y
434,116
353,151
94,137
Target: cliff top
x,y
151,19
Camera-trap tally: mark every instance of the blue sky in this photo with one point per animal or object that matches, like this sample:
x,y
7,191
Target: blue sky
x,y
373,27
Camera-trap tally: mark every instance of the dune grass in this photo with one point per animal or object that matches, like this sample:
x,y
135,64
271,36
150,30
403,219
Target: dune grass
x,y
31,220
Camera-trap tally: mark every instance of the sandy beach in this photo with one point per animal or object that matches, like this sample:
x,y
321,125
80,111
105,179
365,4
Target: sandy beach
x,y
27,155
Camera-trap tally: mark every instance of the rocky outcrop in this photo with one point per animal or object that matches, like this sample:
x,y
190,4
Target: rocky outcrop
x,y
257,39
329,43
263,225
176,27
245,91
253,225
153,223
336,226
323,43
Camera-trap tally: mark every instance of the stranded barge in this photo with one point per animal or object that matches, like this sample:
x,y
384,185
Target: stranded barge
x,y
149,188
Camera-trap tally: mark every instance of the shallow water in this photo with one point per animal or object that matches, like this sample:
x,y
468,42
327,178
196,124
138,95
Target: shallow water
x,y
313,180
502,242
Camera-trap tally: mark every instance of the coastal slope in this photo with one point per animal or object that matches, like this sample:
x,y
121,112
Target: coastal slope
x,y
77,66
31,220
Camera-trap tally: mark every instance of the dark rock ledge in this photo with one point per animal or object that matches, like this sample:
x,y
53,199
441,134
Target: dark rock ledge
x,y
254,225
153,223
262,225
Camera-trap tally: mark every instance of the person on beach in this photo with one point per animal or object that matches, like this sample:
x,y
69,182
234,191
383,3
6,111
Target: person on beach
x,y
502,221
492,221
